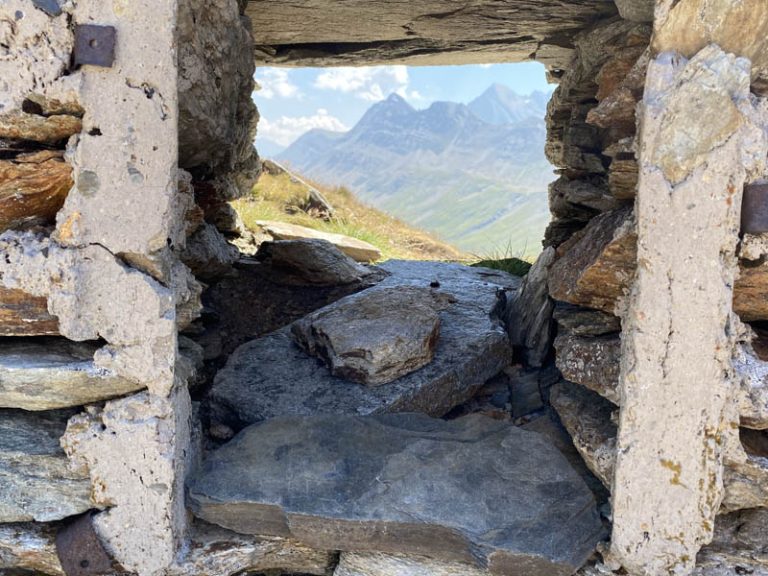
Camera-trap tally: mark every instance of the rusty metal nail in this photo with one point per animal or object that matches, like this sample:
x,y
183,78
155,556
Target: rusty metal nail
x,y
95,45
754,209
80,551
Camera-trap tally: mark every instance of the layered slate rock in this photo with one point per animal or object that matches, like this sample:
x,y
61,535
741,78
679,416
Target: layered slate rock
x,y
593,362
377,337
313,262
390,483
739,546
584,321
588,419
529,316
22,314
50,373
376,564
426,32
271,376
352,247
33,188
596,266
29,547
215,551
38,128
208,254
36,479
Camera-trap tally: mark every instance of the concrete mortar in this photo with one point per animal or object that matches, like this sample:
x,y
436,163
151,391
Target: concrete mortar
x,y
677,387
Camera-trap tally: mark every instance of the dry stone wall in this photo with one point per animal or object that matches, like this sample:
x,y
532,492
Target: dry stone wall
x,y
90,180
599,260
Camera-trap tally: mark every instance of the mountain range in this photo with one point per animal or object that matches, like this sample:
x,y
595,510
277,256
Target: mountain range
x,y
474,174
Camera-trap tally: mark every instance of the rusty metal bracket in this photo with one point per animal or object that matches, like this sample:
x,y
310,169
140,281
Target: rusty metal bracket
x,y
754,209
80,551
95,45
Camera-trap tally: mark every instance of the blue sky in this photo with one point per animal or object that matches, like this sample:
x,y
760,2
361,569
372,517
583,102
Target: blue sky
x,y
294,100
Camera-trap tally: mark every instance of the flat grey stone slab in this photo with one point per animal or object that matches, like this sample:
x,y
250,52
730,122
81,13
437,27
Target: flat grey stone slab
x,y
51,373
472,490
271,376
311,261
36,482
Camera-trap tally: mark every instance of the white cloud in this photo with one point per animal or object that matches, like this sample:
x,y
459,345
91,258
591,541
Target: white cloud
x,y
276,82
485,65
371,83
286,129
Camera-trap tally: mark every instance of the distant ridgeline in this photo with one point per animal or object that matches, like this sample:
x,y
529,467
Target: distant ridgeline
x,y
475,175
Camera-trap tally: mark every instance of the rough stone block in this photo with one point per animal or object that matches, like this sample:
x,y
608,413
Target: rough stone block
x,y
596,266
750,292
32,189
38,128
529,313
636,10
29,547
217,116
746,471
372,564
22,314
389,483
738,545
588,419
584,321
214,551
310,262
208,254
352,247
592,361
580,199
36,478
47,374
753,378
271,376
377,336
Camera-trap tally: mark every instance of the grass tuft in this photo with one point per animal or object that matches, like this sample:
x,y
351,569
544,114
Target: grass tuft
x,y
504,260
514,266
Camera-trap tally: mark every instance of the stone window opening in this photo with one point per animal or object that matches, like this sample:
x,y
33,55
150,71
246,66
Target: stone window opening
x,y
129,398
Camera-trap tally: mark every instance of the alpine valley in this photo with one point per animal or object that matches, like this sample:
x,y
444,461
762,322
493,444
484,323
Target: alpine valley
x,y
475,175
